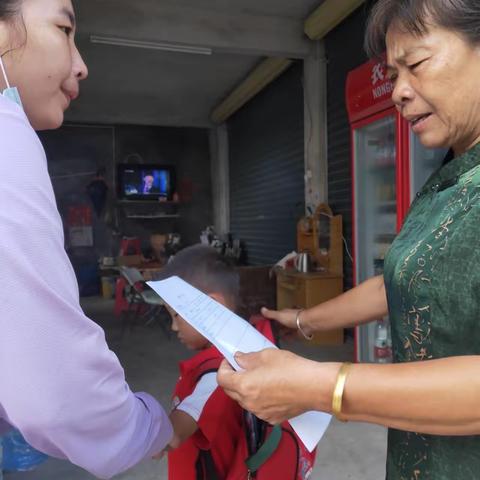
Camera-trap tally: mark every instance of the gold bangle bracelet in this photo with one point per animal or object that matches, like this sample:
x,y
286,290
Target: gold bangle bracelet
x,y
338,390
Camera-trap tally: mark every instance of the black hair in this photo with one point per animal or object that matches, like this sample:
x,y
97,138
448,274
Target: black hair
x,y
10,10
415,16
204,268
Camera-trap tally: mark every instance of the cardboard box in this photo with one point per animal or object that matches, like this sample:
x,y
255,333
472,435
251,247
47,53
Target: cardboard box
x,y
129,260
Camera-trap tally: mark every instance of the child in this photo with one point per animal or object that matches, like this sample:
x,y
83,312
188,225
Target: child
x,y
210,441
203,417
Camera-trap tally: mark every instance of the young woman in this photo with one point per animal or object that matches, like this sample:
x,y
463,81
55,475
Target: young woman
x,y
60,385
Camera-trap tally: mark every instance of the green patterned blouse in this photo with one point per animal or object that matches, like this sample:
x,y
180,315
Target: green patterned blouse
x,y
432,278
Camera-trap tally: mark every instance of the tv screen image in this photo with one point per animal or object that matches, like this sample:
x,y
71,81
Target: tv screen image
x,y
145,182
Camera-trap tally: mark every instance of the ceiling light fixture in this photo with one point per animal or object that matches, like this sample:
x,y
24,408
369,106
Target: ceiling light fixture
x,y
167,47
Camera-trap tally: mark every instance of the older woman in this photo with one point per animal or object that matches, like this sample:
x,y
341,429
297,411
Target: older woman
x,y
430,396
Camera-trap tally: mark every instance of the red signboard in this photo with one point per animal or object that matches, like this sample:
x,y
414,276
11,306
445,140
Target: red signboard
x,y
369,91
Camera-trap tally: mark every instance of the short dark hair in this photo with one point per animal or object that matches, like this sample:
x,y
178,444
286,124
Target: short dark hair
x,y
9,9
205,269
415,16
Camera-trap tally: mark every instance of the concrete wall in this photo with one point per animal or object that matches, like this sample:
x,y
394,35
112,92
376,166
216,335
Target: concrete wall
x,y
75,152
344,48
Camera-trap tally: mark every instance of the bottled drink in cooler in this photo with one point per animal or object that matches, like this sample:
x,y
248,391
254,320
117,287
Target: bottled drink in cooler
x,y
382,349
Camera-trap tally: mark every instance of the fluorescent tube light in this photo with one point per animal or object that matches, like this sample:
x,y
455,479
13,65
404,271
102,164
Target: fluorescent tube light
x,y
168,47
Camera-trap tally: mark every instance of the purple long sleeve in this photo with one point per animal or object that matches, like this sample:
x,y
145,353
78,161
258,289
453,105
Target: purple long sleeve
x,y
60,385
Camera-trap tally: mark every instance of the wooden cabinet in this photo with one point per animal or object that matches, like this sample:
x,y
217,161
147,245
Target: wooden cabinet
x,y
305,290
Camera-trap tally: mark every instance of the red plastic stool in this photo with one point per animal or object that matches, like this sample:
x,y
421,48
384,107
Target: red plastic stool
x,y
130,246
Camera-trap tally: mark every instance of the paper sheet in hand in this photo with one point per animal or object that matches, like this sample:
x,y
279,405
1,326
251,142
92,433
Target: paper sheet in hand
x,y
231,334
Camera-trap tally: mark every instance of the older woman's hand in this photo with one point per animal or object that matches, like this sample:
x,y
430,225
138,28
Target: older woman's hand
x,y
287,320
277,385
285,317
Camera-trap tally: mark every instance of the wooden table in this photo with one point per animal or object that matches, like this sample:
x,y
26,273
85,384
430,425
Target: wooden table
x,y
305,290
147,269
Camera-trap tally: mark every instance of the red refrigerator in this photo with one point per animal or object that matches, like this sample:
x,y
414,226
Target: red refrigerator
x,y
389,166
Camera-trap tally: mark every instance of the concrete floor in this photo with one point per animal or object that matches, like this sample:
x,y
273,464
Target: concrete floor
x,y
347,451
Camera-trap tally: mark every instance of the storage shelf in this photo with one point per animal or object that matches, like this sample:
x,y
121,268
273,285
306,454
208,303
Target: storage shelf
x,y
154,217
385,237
388,207
147,202
380,169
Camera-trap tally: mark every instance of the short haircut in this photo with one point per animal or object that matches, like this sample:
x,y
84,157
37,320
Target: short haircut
x,y
415,16
9,8
204,268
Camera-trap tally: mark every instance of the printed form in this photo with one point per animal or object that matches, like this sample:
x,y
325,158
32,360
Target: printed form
x,y
230,334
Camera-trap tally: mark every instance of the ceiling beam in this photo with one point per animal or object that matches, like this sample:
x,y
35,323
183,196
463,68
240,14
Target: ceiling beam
x,y
226,33
328,15
257,80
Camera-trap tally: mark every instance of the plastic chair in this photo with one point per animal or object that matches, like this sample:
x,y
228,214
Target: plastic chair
x,y
142,300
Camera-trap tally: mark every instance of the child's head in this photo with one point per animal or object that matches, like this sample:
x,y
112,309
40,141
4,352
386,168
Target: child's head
x,y
203,268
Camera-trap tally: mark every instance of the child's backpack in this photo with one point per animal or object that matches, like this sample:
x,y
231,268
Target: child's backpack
x,y
263,452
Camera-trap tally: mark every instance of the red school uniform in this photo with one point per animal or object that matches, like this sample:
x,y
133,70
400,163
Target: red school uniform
x,y
291,460
221,430
219,422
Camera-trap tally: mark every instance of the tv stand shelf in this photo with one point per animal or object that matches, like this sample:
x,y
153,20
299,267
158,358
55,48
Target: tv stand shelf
x,y
153,216
146,202
148,210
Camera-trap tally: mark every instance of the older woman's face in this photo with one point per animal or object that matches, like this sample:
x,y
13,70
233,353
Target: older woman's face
x,y
44,62
436,86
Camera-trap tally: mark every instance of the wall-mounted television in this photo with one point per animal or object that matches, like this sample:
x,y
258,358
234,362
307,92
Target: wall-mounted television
x,y
145,182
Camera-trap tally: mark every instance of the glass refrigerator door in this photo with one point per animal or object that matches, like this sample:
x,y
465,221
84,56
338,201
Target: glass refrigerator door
x,y
375,220
423,162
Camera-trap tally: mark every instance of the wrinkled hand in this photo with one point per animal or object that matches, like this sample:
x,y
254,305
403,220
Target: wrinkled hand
x,y
277,385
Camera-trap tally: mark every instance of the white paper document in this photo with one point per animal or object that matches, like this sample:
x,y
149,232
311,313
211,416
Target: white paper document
x,y
231,334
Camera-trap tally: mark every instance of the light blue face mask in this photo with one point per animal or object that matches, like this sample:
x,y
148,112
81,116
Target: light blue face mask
x,y
11,93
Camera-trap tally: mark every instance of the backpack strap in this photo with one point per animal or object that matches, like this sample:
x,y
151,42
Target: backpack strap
x,y
210,365
255,461
205,466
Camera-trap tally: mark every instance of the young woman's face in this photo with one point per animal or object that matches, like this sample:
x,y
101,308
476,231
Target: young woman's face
x,y
42,60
